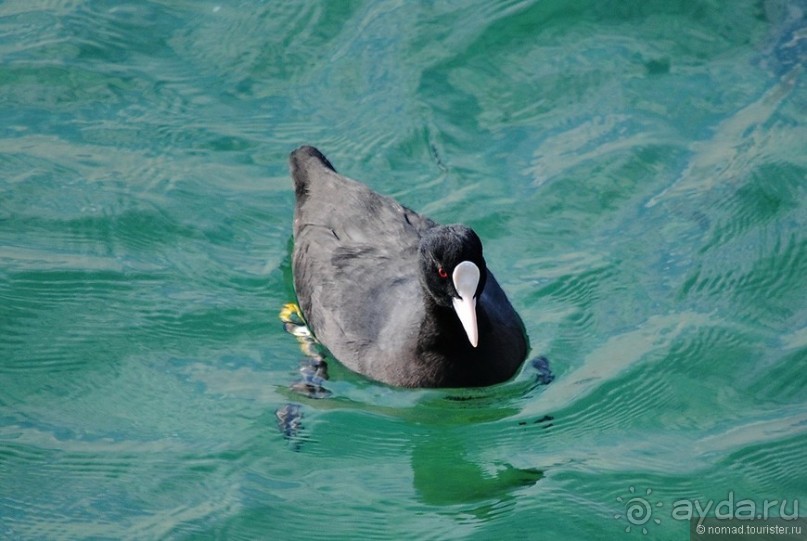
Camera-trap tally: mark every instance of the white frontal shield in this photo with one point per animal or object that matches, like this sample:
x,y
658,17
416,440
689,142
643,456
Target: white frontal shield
x,y
466,279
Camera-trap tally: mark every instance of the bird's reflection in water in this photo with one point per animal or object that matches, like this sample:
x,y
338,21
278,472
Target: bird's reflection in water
x,y
445,475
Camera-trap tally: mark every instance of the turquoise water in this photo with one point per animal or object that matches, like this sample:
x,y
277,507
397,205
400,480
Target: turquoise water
x,y
636,169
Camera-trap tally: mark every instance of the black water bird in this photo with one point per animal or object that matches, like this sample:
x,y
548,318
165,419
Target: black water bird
x,y
392,294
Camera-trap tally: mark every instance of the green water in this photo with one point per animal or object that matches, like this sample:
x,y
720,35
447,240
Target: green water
x,y
637,171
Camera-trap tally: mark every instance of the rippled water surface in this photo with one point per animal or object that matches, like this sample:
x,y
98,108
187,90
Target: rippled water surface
x,y
636,169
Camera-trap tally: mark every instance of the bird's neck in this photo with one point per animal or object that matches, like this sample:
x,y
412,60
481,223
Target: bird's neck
x,y
441,330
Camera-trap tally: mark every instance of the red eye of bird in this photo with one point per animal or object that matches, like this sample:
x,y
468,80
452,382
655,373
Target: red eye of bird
x,y
441,272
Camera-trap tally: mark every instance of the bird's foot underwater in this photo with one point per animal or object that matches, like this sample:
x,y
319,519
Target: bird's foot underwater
x,y
290,423
544,374
313,371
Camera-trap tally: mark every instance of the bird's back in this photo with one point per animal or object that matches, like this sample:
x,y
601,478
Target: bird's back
x,y
355,262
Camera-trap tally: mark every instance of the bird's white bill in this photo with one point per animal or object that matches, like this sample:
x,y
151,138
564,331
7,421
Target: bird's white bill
x,y
466,279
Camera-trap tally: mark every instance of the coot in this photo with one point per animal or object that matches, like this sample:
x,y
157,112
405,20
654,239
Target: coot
x,y
392,294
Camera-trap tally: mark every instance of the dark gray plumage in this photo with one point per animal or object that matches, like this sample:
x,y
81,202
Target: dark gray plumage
x,y
374,282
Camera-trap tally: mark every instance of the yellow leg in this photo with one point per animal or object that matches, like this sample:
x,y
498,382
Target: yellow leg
x,y
315,370
294,323
290,313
